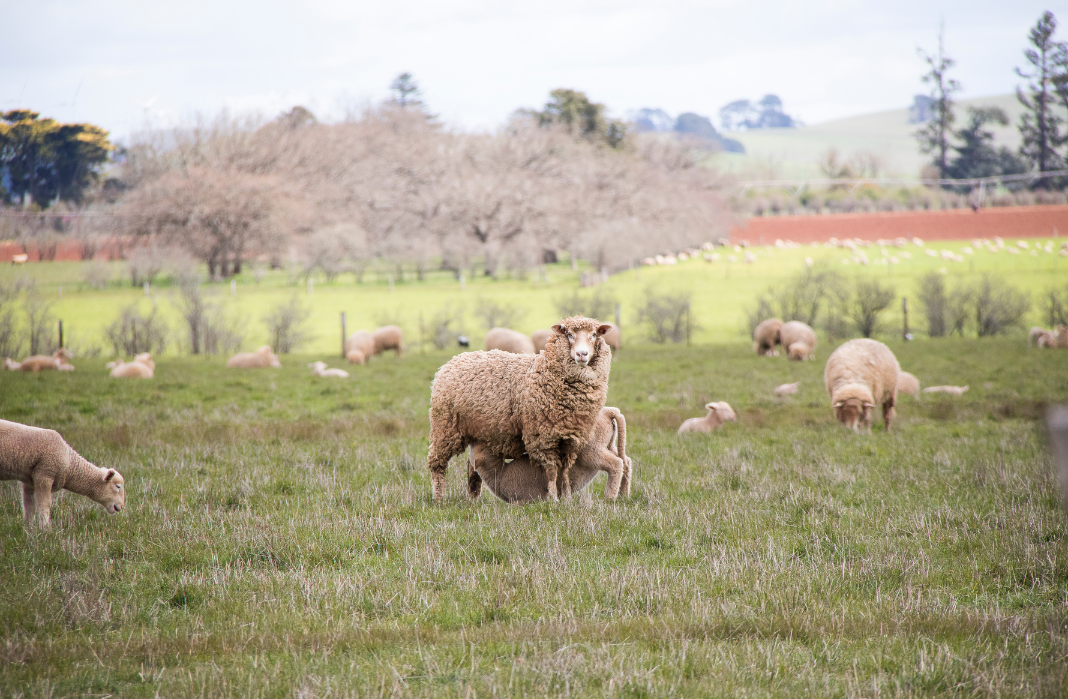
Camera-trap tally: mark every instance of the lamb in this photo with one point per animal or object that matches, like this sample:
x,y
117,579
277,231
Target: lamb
x,y
520,481
57,361
860,374
44,462
951,390
319,369
786,389
799,341
10,365
142,367
539,338
359,347
263,357
389,337
766,336
1034,334
718,413
908,384
545,404
509,341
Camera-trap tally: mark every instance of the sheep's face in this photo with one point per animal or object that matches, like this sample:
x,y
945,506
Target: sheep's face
x,y
798,352
316,367
582,335
853,413
113,494
722,410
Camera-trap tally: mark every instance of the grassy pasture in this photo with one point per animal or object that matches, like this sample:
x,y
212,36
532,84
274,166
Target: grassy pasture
x,y
279,540
721,293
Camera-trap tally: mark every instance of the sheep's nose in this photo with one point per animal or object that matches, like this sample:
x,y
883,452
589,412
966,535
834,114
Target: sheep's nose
x,y
582,355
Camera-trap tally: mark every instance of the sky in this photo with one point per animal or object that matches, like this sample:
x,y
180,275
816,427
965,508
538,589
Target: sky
x,y
125,64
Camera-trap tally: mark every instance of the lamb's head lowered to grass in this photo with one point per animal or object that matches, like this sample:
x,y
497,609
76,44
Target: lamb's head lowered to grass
x,y
581,340
855,411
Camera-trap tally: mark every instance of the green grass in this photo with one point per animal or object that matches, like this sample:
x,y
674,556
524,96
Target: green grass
x,y
721,291
279,540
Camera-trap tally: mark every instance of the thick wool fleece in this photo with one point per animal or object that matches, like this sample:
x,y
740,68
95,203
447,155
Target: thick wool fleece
x,y
521,481
544,405
389,337
360,341
864,370
43,462
799,340
766,336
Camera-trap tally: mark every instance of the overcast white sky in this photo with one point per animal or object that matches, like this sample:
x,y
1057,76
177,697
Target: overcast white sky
x,y
120,63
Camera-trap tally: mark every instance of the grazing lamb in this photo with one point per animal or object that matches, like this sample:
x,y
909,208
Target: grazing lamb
x,y
261,358
142,367
786,389
509,341
799,340
950,390
908,384
718,413
766,336
539,338
545,404
859,375
44,463
389,337
362,343
520,481
319,369
57,361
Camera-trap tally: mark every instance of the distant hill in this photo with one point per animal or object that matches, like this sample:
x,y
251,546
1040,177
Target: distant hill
x,y
794,153
689,125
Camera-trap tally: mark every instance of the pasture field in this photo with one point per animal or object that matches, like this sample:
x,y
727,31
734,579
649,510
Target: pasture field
x,y
721,293
279,540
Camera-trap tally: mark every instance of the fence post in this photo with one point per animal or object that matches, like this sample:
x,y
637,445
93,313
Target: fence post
x,y
1057,427
422,335
688,324
61,334
905,312
344,335
619,324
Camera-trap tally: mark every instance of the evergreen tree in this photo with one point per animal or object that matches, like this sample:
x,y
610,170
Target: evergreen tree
x,y
1040,125
585,118
976,155
934,137
406,91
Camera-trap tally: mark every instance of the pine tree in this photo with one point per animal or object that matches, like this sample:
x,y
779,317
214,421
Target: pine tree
x,y
1040,125
934,137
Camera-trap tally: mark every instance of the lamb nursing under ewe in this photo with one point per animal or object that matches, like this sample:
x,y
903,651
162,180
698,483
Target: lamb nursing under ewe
x,y
43,462
544,405
519,481
859,375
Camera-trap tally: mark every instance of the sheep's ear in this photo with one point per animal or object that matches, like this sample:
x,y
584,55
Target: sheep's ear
x,y
559,329
603,329
710,406
109,475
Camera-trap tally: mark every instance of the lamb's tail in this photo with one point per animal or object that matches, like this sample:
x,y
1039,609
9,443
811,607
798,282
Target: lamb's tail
x,y
621,450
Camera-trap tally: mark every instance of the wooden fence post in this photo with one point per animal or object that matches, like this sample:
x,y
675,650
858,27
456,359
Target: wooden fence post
x,y
619,324
905,313
344,335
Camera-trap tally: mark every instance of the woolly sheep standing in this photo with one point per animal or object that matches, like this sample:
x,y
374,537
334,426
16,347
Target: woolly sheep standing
x,y
859,375
43,462
509,341
389,337
799,340
544,404
908,384
520,481
718,413
142,367
263,357
766,336
359,347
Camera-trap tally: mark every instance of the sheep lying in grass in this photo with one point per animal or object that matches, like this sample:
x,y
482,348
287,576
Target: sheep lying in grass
x,y
44,463
786,389
319,369
359,347
261,358
520,481
949,390
388,337
859,375
544,404
508,340
10,364
58,361
718,413
766,337
908,384
799,340
142,367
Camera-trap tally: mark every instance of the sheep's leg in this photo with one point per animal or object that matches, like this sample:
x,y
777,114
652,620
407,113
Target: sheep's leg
x,y
624,483
29,507
42,495
474,480
888,413
565,475
614,467
547,461
445,443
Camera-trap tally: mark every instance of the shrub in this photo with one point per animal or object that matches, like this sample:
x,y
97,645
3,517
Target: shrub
x,y
758,314
496,315
805,294
144,265
10,340
285,325
208,329
133,333
933,301
998,306
668,316
1053,308
870,301
836,317
601,305
40,323
445,326
97,274
958,309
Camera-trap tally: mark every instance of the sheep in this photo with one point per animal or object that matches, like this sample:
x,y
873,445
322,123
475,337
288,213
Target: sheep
x,y
1058,337
860,374
520,481
142,367
718,413
43,462
10,364
799,341
509,341
766,336
908,384
544,404
57,361
389,337
319,369
612,339
539,338
786,389
263,357
950,390
360,343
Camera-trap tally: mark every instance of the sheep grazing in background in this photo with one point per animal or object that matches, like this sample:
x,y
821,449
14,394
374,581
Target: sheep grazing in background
x,y
718,413
949,390
142,367
539,338
58,362
509,341
520,481
262,358
786,389
799,340
545,404
859,375
355,357
908,384
44,463
766,336
319,369
388,337
359,347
